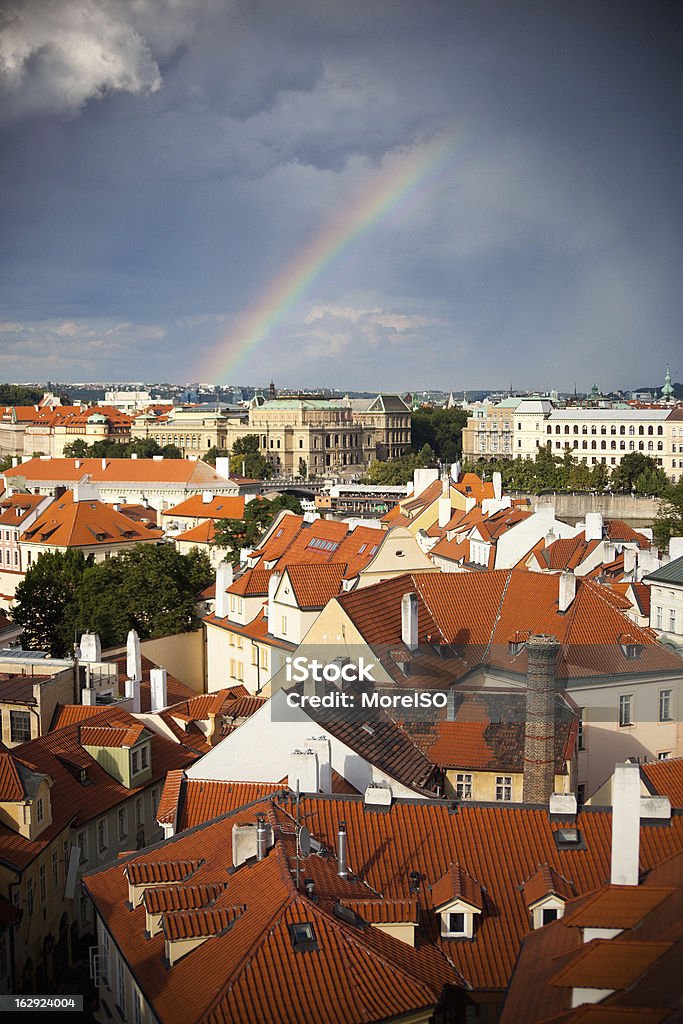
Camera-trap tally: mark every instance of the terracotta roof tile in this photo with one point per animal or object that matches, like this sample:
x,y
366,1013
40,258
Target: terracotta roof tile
x,y
181,897
160,871
192,924
220,507
315,585
617,906
606,964
164,471
111,736
456,884
665,778
546,882
70,523
11,786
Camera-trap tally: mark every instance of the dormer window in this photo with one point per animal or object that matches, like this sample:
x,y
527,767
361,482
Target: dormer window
x,y
456,926
457,900
303,937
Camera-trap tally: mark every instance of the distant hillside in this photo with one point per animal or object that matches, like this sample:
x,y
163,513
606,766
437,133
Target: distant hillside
x,y
657,389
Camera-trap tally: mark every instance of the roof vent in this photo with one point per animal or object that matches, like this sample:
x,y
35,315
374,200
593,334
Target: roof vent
x,y
378,794
342,866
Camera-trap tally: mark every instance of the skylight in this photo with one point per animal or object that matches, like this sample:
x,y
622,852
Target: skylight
x,y
323,545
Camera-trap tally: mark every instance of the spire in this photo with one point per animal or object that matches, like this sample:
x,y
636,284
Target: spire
x,y
667,390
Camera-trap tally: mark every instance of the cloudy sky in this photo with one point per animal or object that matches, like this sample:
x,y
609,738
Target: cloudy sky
x,y
376,194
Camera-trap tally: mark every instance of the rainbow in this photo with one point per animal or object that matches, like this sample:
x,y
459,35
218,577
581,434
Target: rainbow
x,y
395,184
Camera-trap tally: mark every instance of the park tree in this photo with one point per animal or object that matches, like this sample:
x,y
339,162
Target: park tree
x,y
640,473
150,588
46,601
234,534
246,459
399,471
143,447
669,520
441,429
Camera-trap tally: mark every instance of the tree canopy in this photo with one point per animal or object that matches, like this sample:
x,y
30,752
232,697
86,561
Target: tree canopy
x,y
669,520
441,429
640,473
235,534
143,447
246,459
400,471
150,588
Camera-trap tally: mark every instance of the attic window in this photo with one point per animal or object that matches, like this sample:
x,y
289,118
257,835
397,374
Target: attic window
x,y
368,729
303,937
569,839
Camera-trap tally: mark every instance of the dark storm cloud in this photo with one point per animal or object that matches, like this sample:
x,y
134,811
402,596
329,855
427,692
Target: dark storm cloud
x,y
163,160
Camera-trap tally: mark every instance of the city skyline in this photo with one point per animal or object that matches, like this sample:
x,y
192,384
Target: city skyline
x,y
382,195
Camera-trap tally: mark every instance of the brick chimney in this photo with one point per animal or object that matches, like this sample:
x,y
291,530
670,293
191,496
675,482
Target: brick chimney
x,y
539,731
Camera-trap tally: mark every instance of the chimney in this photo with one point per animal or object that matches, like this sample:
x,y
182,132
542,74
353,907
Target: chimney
x,y
134,455
77,464
567,590
539,731
245,841
223,466
630,560
409,634
378,794
625,824
303,771
594,526
321,747
91,648
444,502
273,584
207,497
224,577
497,486
15,461
133,656
261,837
342,867
158,689
104,464
132,689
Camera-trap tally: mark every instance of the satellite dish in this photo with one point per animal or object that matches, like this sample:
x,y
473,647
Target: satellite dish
x,y
304,841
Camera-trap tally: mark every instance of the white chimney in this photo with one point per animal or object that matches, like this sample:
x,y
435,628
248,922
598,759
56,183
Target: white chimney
x,y
132,689
207,497
625,824
104,464
609,552
88,696
455,472
321,747
273,584
158,689
497,486
134,455
15,461
444,502
567,591
133,656
248,840
630,560
594,525
675,548
223,466
378,794
409,634
91,648
303,771
224,577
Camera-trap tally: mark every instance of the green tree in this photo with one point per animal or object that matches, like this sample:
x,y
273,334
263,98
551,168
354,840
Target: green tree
x,y
214,453
143,447
46,601
640,473
18,394
150,588
441,429
669,520
246,459
400,471
259,514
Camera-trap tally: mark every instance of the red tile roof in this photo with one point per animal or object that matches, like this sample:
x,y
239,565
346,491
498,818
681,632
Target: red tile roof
x,y
110,735
220,507
315,585
617,906
546,882
665,778
204,533
179,471
11,786
456,884
73,802
477,613
69,523
604,964
15,508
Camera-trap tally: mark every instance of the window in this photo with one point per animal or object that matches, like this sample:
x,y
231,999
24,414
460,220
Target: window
x,y
284,625
20,726
503,787
102,835
665,705
137,1007
123,824
463,786
264,657
139,818
144,757
55,868
672,620
659,612
663,755
456,924
82,843
40,810
42,884
29,895
581,737
626,709
121,987
549,914
136,761
303,937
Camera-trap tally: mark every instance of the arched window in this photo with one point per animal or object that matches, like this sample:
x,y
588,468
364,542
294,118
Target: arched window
x,y
603,445
549,430
622,445
641,430
576,428
631,445
585,444
558,429
660,446
594,444
613,429
660,430
622,429
566,429
613,445
594,429
650,430
603,429
641,446
650,446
